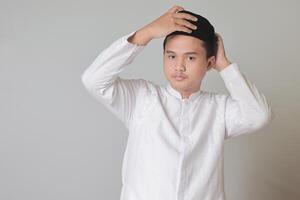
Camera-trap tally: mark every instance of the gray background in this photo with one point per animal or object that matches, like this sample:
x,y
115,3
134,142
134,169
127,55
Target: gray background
x,y
57,142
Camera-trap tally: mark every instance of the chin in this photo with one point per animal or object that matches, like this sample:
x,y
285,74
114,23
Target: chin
x,y
180,85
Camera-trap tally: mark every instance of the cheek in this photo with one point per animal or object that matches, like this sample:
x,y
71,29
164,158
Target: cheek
x,y
167,70
197,72
167,65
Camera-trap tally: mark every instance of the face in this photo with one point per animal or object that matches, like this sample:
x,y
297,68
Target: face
x,y
185,63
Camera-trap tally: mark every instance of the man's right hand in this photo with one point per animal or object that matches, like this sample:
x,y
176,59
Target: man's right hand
x,y
167,23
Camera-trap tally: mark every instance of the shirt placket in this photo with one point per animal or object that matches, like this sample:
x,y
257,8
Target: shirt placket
x,y
184,144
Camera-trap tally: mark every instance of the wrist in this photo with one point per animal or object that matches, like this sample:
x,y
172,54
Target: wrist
x,y
223,65
140,37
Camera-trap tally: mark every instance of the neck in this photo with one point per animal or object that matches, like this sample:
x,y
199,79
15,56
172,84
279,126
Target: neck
x,y
187,94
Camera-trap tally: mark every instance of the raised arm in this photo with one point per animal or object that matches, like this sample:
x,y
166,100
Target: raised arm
x,y
103,82
246,109
102,79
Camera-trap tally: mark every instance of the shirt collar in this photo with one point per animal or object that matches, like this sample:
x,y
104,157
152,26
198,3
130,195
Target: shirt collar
x,y
177,94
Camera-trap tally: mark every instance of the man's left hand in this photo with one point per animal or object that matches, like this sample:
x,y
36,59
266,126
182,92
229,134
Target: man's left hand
x,y
221,60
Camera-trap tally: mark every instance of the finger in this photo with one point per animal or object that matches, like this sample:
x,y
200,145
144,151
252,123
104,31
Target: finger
x,y
183,28
218,35
185,23
185,16
175,9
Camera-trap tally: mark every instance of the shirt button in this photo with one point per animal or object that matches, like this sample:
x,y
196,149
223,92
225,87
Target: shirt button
x,y
185,139
181,148
185,121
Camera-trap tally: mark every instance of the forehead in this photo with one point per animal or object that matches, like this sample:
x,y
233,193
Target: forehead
x,y
183,44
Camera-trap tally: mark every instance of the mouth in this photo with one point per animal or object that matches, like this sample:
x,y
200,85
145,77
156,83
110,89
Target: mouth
x,y
179,77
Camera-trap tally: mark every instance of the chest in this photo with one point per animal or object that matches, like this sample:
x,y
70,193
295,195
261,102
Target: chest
x,y
163,113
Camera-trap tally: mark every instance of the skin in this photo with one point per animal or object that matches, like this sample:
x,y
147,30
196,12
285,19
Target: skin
x,y
178,59
192,66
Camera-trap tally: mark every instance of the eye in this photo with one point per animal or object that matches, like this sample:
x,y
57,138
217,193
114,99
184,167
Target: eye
x,y
170,56
192,58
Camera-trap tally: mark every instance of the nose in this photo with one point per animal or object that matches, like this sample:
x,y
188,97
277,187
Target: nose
x,y
180,65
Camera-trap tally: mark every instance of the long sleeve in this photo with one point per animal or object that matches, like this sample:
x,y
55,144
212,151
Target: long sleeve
x,y
103,82
246,109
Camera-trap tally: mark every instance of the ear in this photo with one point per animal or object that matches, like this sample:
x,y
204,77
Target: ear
x,y
211,63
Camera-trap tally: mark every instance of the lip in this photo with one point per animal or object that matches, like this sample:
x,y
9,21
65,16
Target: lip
x,y
179,77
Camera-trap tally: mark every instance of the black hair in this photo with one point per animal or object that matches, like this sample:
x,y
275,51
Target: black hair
x,y
204,32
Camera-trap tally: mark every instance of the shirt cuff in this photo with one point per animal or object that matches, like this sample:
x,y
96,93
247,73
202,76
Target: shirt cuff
x,y
230,72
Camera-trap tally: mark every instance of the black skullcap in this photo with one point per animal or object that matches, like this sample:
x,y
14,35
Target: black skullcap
x,y
205,31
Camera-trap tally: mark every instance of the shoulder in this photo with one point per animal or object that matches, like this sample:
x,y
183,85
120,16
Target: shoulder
x,y
215,97
151,88
141,88
135,85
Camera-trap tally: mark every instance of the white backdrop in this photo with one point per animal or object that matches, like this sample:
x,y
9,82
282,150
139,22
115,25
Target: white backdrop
x,y
56,142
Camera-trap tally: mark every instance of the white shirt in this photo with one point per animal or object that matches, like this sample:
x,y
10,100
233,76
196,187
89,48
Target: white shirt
x,y
175,146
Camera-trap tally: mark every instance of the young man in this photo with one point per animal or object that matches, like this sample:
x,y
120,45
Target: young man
x,y
176,132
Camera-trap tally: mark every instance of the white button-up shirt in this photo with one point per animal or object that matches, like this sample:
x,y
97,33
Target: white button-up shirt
x,y
175,146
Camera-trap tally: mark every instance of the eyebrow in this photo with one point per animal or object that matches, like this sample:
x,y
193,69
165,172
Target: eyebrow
x,y
192,52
